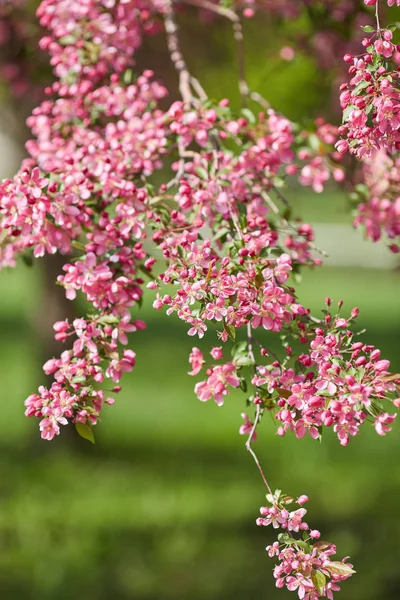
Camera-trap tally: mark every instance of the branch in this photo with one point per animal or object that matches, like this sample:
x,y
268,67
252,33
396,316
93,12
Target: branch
x,y
378,25
258,414
171,30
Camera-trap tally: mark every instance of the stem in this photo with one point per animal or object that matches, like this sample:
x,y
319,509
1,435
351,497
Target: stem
x,y
267,349
258,415
250,449
250,340
378,25
281,196
171,30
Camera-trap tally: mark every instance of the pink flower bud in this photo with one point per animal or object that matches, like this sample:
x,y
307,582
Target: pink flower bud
x,y
375,354
360,361
382,365
315,534
302,500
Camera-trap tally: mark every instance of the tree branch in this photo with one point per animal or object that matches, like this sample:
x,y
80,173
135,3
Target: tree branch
x,y
171,30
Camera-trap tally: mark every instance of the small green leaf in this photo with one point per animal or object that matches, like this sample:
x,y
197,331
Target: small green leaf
x,y
78,245
347,111
299,543
239,348
249,115
78,379
202,173
108,320
361,86
85,431
230,330
67,40
221,233
243,361
338,568
368,28
128,76
319,581
314,142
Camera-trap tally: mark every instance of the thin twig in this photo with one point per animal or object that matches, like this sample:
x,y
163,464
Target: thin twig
x,y
264,348
235,222
281,196
250,340
196,85
378,25
176,55
263,102
250,449
258,413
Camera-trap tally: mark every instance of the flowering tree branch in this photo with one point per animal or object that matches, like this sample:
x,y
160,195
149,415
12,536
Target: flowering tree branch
x,y
228,251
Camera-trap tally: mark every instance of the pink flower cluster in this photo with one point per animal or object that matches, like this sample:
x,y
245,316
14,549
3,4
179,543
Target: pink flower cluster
x,y
35,215
371,100
223,291
95,355
305,566
341,384
378,210
88,38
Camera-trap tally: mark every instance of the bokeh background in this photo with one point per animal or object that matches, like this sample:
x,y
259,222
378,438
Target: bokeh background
x,y
163,506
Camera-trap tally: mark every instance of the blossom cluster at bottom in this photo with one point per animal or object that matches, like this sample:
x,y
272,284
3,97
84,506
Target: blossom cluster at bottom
x,y
305,563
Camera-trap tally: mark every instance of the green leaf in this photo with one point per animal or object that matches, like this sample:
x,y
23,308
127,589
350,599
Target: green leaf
x,y
298,543
243,361
338,568
67,40
230,330
85,431
347,111
248,114
108,320
361,86
128,76
239,348
221,233
78,379
368,28
78,245
202,173
314,142
319,581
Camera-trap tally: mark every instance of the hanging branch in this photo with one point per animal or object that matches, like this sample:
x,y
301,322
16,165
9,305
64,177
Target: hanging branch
x,y
171,30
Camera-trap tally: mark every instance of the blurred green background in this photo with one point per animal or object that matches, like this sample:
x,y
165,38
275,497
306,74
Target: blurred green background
x,y
164,505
